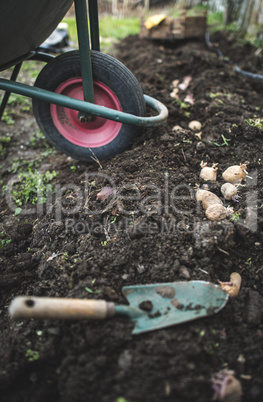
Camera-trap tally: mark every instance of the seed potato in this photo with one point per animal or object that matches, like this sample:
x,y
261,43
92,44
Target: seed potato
x,y
207,197
208,173
228,190
216,212
235,174
210,199
195,125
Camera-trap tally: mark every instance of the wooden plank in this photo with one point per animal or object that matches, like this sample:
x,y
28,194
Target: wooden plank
x,y
195,26
176,28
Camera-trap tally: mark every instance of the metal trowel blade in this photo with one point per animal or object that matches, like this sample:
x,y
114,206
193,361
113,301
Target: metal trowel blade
x,y
167,304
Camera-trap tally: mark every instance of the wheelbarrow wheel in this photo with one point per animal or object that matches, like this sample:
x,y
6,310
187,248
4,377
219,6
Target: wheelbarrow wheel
x,y
115,87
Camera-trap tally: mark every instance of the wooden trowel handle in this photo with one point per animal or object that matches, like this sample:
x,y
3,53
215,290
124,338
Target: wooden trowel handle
x,y
59,308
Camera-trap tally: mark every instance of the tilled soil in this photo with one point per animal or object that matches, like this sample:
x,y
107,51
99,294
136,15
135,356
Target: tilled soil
x,y
150,230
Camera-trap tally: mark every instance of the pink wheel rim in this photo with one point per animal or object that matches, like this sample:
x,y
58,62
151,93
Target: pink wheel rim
x,y
98,131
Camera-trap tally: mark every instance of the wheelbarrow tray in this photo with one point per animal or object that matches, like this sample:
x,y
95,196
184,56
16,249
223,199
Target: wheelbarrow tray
x,y
25,24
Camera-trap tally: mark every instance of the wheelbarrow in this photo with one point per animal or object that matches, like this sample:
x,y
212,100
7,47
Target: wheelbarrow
x,y
87,104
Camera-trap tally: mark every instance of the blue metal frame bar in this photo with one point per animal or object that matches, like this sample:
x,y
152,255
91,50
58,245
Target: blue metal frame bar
x,y
7,94
87,107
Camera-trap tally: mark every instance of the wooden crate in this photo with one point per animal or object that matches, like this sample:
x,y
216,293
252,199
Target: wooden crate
x,y
176,28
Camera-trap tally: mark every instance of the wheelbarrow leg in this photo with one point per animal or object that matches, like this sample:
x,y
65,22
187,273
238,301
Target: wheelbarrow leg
x,y
7,94
94,25
84,50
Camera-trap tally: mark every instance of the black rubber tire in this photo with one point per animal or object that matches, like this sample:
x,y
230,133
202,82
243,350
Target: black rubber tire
x,y
106,70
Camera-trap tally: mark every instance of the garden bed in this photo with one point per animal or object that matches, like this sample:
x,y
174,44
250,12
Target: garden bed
x,y
83,247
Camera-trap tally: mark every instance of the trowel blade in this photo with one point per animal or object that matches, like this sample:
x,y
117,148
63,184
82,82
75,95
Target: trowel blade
x,y
168,304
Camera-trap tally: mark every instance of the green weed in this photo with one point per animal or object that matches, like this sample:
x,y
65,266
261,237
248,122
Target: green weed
x,y
255,123
4,141
92,291
181,104
4,240
32,355
224,143
37,139
235,217
22,165
33,187
8,117
16,99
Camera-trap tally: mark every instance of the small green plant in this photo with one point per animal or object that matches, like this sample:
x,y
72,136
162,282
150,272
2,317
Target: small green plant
x,y
48,152
255,123
8,117
249,262
18,211
22,165
73,168
235,216
39,334
113,219
216,94
92,291
32,355
224,143
15,100
225,140
4,141
4,240
33,187
36,139
183,105
24,102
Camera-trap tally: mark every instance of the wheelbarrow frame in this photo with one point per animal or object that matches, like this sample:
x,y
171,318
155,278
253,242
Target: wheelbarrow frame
x,y
87,107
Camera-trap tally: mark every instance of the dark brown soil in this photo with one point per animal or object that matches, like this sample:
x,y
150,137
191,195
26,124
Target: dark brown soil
x,y
91,249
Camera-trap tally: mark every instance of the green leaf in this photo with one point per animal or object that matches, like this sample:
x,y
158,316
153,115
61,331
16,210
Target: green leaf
x,y
92,291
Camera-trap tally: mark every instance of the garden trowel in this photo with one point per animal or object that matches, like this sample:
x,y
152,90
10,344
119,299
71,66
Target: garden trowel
x,y
151,306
